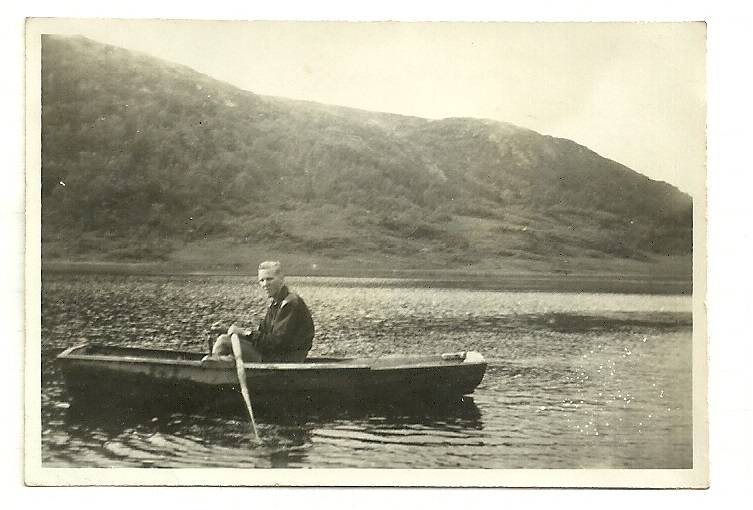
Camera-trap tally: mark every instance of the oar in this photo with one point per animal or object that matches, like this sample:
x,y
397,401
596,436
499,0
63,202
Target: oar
x,y
241,370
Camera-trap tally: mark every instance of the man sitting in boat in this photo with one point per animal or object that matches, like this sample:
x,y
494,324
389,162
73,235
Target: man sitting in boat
x,y
285,334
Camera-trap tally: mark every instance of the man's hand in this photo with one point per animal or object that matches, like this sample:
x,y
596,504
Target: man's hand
x,y
217,328
236,330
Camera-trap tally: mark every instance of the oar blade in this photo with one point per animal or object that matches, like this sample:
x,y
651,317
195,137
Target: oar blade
x,y
241,372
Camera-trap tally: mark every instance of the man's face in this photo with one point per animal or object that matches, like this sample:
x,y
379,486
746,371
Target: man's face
x,y
270,281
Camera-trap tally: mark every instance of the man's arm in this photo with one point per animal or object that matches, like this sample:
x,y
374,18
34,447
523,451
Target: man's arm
x,y
281,334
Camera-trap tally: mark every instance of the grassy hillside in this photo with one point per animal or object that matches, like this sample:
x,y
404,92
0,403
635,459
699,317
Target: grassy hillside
x,y
144,160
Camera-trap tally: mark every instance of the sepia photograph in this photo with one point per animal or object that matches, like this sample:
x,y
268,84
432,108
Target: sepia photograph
x,y
372,254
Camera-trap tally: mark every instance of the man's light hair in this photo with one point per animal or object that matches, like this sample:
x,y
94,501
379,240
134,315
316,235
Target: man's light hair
x,y
274,265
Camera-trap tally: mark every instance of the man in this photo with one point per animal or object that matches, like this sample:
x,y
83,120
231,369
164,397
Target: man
x,y
286,332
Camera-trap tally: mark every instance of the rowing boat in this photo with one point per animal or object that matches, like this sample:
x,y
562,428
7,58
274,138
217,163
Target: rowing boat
x,y
105,374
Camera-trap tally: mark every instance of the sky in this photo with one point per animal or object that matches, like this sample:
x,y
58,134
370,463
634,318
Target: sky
x,y
632,92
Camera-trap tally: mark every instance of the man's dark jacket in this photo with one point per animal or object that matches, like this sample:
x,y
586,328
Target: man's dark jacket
x,y
287,331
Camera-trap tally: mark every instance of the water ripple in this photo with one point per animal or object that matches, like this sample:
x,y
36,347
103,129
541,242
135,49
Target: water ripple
x,y
576,380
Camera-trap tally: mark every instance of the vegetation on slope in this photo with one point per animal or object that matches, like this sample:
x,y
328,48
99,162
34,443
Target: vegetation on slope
x,y
140,157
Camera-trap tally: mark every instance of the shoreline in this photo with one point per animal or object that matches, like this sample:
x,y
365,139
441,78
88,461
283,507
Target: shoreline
x,y
614,282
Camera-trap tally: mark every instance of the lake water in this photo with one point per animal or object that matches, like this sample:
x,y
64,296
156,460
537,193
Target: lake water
x,y
575,380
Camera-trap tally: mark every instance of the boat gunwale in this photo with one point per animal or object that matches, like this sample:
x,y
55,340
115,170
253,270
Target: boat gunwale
x,y
344,364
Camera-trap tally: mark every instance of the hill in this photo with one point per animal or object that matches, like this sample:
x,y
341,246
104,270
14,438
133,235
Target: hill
x,y
145,160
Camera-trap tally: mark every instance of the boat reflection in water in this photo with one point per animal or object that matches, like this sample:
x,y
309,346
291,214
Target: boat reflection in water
x,y
292,434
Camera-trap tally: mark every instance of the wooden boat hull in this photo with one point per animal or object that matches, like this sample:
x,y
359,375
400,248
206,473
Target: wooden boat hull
x,y
107,374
